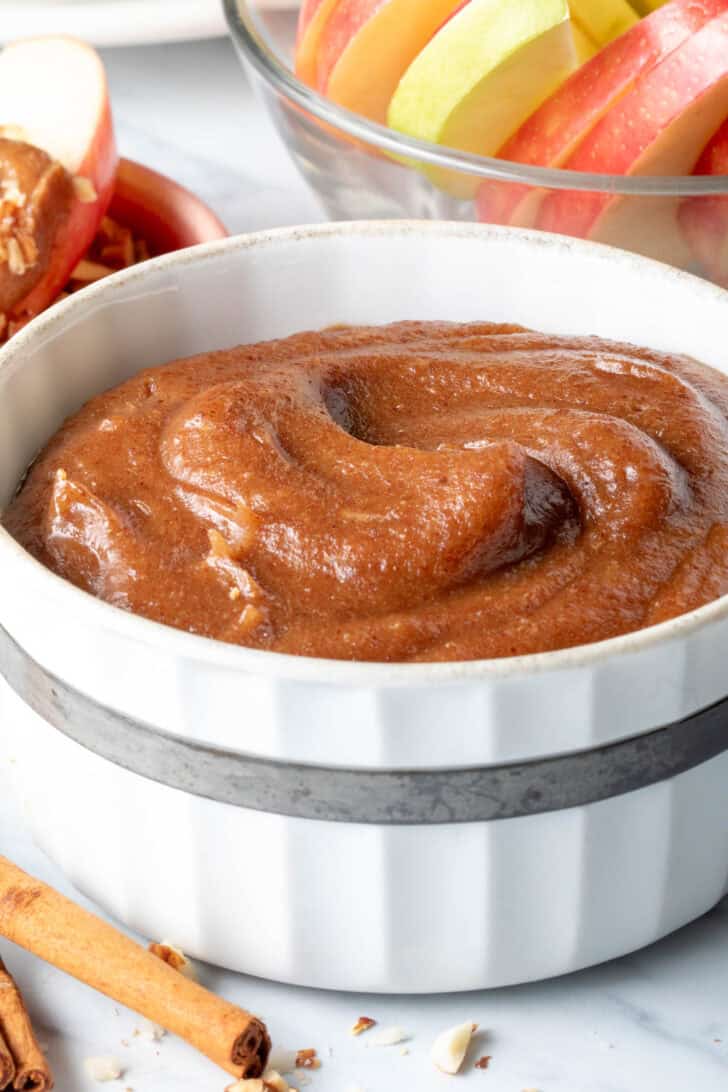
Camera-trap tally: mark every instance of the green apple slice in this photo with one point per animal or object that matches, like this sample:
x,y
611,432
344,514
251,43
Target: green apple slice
x,y
483,73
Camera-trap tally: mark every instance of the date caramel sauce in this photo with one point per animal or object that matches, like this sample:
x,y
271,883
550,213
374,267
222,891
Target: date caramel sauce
x,y
420,491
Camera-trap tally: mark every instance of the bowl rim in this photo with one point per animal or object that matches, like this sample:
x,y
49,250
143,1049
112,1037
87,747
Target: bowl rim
x,y
92,611
253,46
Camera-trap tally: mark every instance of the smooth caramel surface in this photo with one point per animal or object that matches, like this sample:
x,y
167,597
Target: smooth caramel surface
x,y
420,491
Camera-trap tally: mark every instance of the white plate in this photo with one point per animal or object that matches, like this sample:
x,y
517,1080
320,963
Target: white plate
x,y
117,22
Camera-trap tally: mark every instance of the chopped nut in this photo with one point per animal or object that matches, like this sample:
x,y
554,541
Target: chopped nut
x,y
16,262
152,1032
484,1062
363,1024
175,957
306,1059
28,246
87,271
103,1069
250,618
84,190
269,1082
451,1046
387,1037
275,1082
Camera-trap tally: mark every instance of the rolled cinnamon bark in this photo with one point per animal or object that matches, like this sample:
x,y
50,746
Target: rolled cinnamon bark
x,y
7,1065
38,918
31,1072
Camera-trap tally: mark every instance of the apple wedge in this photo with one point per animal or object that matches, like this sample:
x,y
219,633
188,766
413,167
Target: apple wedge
x,y
603,20
312,19
53,95
704,220
551,134
659,128
482,74
366,46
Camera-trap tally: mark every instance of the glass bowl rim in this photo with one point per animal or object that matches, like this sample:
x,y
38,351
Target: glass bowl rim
x,y
253,47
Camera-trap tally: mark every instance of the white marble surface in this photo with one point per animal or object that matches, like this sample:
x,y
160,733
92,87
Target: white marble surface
x,y
656,1021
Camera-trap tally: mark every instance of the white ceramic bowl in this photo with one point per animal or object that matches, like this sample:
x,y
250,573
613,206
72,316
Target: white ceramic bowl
x,y
169,828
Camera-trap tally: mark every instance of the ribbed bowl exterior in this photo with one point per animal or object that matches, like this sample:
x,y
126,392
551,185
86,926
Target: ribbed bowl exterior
x,y
407,909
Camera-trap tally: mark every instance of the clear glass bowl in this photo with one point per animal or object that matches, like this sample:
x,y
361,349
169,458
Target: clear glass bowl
x,y
361,170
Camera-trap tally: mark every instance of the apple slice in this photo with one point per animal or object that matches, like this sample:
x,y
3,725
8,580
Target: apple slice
x,y
659,128
482,74
704,220
312,19
603,20
53,95
366,46
553,132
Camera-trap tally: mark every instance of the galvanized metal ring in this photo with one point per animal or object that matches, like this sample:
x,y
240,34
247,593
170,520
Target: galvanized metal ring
x,y
385,797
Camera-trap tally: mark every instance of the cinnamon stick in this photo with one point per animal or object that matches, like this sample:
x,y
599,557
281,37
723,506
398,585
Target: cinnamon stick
x,y
43,921
7,1065
31,1072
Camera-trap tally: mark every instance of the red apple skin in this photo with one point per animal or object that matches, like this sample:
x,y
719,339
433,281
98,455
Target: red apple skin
x,y
305,15
704,220
554,131
346,19
621,142
99,167
312,22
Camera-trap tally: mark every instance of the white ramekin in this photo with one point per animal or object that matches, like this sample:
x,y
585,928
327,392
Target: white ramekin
x,y
391,906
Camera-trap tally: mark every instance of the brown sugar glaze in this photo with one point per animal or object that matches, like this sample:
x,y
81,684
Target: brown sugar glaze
x,y
421,491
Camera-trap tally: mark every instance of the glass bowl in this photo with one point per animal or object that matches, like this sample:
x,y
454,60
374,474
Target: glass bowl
x,y
362,170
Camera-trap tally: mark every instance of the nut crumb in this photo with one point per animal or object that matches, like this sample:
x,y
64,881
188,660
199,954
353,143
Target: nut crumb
x,y
274,1082
84,190
484,1062
404,1051
174,956
451,1046
307,1059
103,1069
363,1024
16,259
153,1032
387,1037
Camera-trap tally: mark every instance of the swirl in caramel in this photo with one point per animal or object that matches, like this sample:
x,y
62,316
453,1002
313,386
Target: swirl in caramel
x,y
420,491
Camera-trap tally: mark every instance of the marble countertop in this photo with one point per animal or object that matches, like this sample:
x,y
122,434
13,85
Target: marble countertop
x,y
656,1021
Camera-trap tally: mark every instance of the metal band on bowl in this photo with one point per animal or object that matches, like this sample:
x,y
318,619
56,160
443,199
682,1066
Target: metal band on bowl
x,y
362,795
